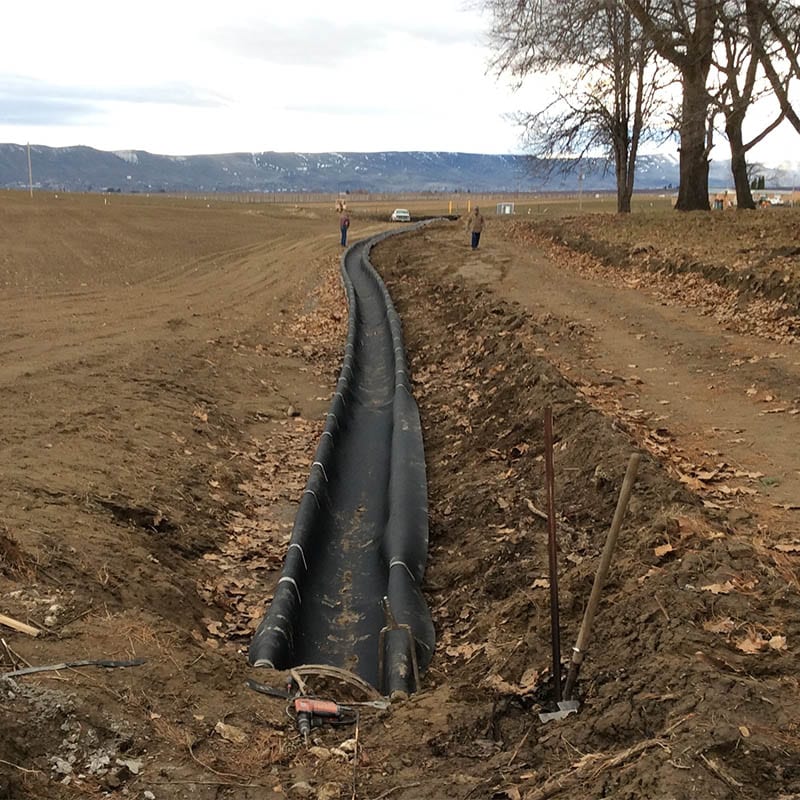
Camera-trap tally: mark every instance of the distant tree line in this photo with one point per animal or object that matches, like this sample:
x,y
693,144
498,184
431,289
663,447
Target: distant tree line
x,y
629,71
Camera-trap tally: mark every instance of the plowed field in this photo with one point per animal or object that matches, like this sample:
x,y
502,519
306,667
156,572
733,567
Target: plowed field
x,y
166,369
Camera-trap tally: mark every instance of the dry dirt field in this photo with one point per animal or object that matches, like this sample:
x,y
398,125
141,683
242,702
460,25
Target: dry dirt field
x,y
166,368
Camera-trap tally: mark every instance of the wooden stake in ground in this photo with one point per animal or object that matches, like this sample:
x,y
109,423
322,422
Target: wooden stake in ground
x,y
552,547
579,650
22,627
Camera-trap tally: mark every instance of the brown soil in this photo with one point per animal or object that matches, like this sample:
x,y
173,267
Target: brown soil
x,y
167,367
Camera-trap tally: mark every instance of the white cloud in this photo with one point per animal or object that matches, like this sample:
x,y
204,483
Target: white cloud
x,y
189,77
200,76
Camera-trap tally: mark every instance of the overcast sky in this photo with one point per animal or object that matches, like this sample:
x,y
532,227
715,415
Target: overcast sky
x,y
184,77
213,76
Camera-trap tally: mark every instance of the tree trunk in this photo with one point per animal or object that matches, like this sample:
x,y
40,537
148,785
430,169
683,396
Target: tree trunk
x,y
624,187
621,170
744,197
623,201
693,191
691,50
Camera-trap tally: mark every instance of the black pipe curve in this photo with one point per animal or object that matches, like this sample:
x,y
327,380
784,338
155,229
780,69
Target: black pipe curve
x,y
361,531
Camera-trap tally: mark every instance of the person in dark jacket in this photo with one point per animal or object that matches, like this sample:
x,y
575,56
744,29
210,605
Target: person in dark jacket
x,y
344,225
475,223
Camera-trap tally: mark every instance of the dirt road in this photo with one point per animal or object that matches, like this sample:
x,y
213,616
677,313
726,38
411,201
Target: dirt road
x,y
728,401
166,369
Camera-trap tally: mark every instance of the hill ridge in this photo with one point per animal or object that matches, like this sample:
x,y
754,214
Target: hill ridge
x,y
83,168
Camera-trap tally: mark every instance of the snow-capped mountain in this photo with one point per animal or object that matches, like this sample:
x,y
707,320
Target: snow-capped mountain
x,y
87,169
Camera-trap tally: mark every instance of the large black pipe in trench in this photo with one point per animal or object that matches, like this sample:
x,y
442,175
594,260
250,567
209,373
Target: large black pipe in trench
x,y
361,530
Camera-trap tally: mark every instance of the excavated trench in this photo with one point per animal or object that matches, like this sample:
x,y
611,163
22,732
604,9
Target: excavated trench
x,y
349,595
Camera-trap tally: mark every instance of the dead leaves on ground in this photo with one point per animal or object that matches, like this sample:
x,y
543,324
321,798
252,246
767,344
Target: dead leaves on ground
x,y
719,483
718,588
746,637
324,328
767,396
742,584
495,655
673,274
683,531
787,547
246,566
755,642
527,685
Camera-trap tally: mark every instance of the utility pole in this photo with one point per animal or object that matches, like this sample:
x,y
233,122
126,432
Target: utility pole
x,y
30,171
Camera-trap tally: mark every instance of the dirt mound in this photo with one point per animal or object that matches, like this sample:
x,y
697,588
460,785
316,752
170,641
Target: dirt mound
x,y
740,257
693,627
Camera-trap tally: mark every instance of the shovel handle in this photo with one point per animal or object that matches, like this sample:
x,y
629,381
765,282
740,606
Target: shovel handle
x,y
578,651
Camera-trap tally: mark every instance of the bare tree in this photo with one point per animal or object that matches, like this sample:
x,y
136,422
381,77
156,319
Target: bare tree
x,y
741,83
683,33
778,21
609,86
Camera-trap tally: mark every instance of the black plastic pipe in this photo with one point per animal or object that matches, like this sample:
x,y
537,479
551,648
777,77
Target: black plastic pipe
x,y
361,530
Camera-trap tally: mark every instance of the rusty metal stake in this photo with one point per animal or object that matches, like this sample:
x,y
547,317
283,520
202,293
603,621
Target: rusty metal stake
x,y
552,547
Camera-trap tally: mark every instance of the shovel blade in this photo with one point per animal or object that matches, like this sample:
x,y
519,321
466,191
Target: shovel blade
x,y
565,708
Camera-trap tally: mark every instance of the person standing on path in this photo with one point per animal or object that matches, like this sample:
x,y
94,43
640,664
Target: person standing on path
x,y
344,225
475,223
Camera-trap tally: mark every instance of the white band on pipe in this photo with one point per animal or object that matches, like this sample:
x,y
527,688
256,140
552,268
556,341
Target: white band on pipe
x,y
395,562
294,583
322,467
302,554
